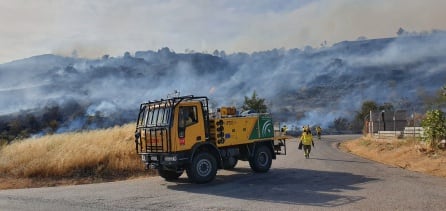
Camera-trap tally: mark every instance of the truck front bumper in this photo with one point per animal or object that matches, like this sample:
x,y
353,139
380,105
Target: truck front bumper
x,y
166,160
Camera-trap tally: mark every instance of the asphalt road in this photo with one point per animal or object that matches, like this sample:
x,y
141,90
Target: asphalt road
x,y
330,179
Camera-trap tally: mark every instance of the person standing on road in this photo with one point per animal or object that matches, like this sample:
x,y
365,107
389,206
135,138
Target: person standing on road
x,y
307,141
284,129
319,132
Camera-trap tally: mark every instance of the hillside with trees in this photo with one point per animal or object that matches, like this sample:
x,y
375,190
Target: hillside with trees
x,y
312,86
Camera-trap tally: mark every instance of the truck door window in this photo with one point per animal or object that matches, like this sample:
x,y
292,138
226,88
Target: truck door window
x,y
187,116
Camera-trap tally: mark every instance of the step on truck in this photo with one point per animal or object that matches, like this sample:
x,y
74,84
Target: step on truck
x,y
180,134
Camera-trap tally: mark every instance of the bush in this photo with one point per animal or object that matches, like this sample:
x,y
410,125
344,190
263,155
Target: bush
x,y
434,125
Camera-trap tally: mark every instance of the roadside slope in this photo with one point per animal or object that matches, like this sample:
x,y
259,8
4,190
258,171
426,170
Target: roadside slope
x,y
407,154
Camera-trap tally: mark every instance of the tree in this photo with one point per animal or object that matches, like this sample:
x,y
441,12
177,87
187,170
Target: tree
x,y
52,113
324,44
401,31
32,124
341,124
386,107
52,117
127,55
15,126
361,38
216,53
441,101
53,125
366,107
255,103
434,125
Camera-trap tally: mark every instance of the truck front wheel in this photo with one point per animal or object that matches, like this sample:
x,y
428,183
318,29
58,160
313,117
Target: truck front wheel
x,y
262,159
169,175
203,168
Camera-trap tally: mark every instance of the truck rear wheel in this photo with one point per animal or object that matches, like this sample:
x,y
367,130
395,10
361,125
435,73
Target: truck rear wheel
x,y
169,175
262,159
203,168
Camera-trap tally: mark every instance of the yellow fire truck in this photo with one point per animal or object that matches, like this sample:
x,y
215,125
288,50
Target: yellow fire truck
x,y
180,134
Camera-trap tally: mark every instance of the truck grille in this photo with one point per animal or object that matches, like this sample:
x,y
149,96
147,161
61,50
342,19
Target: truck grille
x,y
150,140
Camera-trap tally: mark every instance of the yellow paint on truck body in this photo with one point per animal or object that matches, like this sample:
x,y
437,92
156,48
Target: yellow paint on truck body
x,y
165,128
236,130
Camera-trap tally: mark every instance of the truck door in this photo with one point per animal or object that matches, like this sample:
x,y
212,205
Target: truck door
x,y
190,126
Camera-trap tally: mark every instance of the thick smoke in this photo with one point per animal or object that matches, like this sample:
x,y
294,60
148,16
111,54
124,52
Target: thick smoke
x,y
310,86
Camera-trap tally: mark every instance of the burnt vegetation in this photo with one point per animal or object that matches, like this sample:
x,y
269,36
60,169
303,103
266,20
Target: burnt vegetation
x,y
53,94
24,124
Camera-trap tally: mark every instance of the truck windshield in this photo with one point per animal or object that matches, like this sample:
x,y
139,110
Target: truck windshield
x,y
155,117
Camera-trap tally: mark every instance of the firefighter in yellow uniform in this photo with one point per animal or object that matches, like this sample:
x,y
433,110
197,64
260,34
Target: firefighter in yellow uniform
x,y
284,129
307,141
319,132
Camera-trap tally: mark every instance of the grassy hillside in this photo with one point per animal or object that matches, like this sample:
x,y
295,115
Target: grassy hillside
x,y
99,155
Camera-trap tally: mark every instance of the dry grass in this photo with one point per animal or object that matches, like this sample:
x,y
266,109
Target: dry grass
x,y
408,154
93,155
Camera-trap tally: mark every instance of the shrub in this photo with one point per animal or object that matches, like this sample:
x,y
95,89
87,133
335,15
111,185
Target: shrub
x,y
434,125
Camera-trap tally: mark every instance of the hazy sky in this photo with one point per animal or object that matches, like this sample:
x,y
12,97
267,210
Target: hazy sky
x,y
95,28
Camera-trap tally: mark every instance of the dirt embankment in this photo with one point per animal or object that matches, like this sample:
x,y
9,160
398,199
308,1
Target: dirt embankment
x,y
408,154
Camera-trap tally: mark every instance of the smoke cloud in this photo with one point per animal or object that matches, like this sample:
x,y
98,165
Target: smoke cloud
x,y
94,28
310,86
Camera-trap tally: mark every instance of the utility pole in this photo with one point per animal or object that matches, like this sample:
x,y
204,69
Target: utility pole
x,y
371,123
394,124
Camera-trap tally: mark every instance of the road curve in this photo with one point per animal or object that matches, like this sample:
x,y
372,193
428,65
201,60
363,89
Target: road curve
x,y
330,179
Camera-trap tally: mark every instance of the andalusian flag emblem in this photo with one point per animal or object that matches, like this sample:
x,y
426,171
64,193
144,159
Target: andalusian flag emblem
x,y
263,128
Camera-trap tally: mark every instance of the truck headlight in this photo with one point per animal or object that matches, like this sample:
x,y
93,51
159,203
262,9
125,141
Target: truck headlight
x,y
144,158
170,158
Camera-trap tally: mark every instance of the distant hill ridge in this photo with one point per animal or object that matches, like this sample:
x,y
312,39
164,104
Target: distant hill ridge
x,y
301,86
